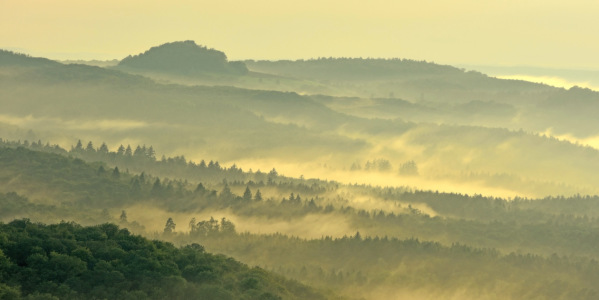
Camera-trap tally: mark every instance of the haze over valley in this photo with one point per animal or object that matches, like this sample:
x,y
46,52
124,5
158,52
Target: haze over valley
x,y
180,173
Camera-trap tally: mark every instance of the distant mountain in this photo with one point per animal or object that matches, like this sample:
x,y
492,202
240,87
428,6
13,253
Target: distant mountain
x,y
352,68
17,68
183,58
9,58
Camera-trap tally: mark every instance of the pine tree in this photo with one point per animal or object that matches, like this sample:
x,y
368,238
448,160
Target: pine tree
x,y
258,196
151,153
78,147
200,188
128,151
103,149
247,195
116,173
139,151
120,151
90,147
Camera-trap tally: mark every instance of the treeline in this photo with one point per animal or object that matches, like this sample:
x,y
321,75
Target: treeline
x,y
142,159
366,265
73,186
560,225
383,165
487,208
70,184
69,261
367,69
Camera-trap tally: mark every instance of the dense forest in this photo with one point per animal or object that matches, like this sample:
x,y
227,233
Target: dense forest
x,y
550,237
177,173
70,261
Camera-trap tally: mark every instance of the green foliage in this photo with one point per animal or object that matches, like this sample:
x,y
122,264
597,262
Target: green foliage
x,y
60,176
531,248
69,261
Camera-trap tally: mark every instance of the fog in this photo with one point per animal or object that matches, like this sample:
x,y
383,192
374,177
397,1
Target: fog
x,y
551,80
378,178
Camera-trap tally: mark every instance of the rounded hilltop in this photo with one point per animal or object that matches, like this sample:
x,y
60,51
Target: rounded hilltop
x,y
183,58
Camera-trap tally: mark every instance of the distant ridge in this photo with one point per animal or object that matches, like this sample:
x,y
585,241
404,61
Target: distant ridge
x,y
183,58
10,58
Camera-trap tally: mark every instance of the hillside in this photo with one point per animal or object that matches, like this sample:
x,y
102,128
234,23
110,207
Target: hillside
x,y
376,88
529,245
183,58
315,136
69,261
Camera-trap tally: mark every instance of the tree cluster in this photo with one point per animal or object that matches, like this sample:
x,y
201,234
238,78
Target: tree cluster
x,y
69,261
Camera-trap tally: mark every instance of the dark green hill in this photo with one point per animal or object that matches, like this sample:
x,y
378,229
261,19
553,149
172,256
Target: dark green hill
x,y
70,261
183,58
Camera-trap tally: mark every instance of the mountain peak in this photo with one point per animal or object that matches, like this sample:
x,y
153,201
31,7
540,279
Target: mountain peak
x,y
183,58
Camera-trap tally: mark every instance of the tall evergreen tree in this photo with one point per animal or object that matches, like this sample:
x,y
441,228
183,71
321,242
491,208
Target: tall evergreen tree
x,y
128,151
116,173
90,147
258,196
247,195
103,149
120,151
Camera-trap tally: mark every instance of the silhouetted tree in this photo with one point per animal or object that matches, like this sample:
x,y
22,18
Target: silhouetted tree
x,y
247,195
123,217
103,149
169,228
120,151
116,173
90,147
258,196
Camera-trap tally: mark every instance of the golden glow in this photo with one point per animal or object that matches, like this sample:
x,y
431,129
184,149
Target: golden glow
x,y
550,80
549,33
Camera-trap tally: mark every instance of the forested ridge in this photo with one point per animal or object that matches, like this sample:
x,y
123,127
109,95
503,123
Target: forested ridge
x,y
70,261
549,242
363,178
355,264
450,131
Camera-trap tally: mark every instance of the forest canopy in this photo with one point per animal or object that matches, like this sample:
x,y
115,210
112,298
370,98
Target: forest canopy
x,y
70,261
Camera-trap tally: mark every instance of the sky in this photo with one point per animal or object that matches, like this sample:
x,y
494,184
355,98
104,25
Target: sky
x,y
548,33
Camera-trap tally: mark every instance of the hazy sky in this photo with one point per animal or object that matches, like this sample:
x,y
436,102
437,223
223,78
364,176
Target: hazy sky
x,y
547,33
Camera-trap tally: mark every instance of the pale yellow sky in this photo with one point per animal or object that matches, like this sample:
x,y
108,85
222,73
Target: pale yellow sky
x,y
546,33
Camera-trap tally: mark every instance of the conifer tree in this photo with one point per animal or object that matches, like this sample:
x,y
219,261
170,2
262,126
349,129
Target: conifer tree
x,y
90,147
258,196
247,195
103,149
116,173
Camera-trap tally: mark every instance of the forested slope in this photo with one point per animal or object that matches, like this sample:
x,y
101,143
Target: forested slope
x,y
393,244
318,136
401,179
69,261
